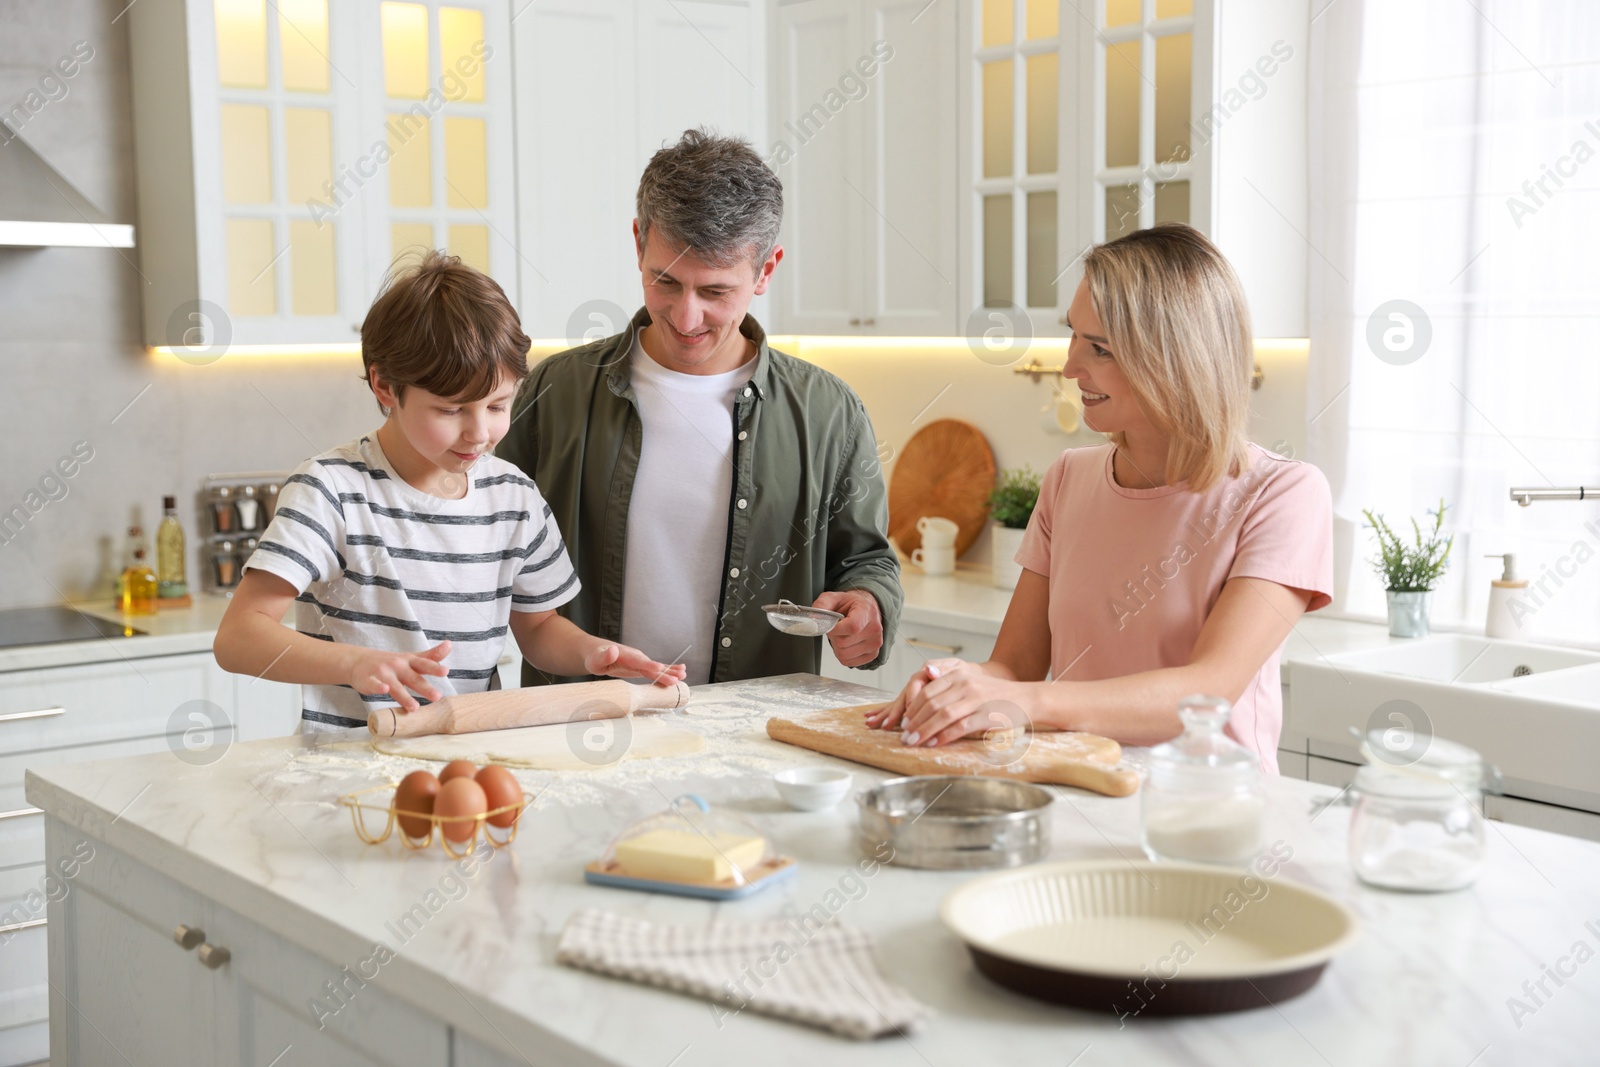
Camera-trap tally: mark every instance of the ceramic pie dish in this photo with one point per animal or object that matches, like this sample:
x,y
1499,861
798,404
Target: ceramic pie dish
x,y
1146,938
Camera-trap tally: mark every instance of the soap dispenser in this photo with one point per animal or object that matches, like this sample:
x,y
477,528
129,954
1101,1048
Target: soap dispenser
x,y
1501,622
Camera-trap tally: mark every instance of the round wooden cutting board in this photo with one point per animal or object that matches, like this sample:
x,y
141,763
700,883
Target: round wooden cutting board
x,y
945,469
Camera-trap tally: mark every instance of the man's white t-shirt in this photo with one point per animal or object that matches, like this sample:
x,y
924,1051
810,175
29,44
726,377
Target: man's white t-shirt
x,y
678,514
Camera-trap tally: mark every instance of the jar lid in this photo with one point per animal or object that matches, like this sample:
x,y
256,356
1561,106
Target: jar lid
x,y
1384,781
1203,750
1404,749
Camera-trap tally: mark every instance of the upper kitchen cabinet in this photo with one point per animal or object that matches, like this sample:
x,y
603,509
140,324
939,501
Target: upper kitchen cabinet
x,y
1085,131
601,85
1091,124
866,130
288,151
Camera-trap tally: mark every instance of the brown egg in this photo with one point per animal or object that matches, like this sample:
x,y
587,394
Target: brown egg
x,y
459,796
461,768
502,789
415,794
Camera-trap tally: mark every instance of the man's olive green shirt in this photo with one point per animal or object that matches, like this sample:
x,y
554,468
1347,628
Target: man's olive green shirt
x,y
808,512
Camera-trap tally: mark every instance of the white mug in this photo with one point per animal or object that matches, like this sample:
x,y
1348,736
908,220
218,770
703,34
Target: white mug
x,y
936,531
935,559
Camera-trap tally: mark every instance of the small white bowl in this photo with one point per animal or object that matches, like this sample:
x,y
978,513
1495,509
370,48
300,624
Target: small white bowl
x,y
812,788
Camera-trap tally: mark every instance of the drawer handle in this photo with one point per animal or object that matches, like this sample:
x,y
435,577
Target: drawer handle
x,y
20,813
214,956
14,927
188,937
42,713
949,650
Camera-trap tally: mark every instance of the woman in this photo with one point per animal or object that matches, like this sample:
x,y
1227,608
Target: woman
x,y
1172,560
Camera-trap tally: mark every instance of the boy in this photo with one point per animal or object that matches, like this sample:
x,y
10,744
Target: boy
x,y
409,552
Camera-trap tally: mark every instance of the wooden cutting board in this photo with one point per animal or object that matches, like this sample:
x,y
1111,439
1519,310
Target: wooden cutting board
x,y
945,469
1083,760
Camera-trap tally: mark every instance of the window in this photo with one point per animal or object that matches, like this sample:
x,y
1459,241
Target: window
x,y
1454,188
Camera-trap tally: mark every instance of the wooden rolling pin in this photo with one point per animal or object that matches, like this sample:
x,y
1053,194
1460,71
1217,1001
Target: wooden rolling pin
x,y
540,705
1083,760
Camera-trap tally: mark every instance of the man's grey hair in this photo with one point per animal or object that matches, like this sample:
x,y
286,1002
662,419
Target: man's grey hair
x,y
714,196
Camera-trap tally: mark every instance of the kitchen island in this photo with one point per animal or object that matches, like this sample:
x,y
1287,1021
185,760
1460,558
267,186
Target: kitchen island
x,y
309,947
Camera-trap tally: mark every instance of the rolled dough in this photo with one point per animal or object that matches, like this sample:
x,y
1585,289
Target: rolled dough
x,y
592,744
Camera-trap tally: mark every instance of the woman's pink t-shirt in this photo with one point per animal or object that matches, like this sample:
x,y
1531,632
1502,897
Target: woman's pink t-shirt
x,y
1134,572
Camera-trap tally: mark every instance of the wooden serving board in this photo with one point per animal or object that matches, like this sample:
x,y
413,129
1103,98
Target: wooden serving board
x,y
945,469
1087,761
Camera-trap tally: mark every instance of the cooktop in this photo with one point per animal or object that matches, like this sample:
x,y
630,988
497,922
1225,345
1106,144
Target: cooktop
x,y
50,625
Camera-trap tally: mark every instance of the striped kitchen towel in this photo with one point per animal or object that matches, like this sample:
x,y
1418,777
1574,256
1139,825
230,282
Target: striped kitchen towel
x,y
823,975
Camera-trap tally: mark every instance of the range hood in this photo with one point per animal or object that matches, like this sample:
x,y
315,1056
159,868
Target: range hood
x,y
40,209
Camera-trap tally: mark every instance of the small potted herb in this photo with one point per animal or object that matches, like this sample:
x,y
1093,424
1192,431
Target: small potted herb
x,y
1410,570
1011,506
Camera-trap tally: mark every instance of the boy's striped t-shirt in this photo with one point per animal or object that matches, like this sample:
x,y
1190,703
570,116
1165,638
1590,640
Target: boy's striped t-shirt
x,y
379,563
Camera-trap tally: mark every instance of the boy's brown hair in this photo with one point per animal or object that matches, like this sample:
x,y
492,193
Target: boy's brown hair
x,y
441,326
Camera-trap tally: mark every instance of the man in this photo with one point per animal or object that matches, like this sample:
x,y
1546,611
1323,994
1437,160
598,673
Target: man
x,y
697,474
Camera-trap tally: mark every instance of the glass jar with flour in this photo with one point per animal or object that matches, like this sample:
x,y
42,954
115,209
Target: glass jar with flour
x,y
1204,799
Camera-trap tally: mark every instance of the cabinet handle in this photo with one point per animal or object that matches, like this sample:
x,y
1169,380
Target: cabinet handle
x,y
949,650
855,322
42,713
214,956
188,937
12,928
869,322
20,813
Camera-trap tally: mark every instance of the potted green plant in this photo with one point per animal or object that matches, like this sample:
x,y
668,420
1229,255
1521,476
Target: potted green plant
x,y
1011,506
1410,570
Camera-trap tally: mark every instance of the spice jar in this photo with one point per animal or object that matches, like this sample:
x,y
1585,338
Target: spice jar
x,y
1203,798
223,518
224,565
1417,820
248,507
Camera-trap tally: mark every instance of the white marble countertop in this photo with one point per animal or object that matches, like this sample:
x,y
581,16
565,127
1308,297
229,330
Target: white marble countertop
x,y
260,831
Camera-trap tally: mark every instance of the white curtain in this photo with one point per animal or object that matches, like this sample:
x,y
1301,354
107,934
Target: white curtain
x,y
1455,165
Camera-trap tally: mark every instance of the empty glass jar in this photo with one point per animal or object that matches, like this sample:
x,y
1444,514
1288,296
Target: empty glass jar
x,y
1203,799
1417,820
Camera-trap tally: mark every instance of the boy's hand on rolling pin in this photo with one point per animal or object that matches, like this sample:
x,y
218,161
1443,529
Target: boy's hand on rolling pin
x,y
399,673
891,714
858,636
621,661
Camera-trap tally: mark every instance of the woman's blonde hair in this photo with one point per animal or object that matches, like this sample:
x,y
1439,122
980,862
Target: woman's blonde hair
x,y
1177,323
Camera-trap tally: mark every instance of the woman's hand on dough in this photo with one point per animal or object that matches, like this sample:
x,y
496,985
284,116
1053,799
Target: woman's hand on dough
x,y
889,716
962,702
623,661
375,671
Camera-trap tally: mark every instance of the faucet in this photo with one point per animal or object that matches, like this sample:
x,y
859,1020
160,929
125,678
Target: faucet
x,y
1524,497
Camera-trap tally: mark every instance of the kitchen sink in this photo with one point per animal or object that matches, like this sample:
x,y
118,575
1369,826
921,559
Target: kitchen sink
x,y
1581,687
1532,710
1459,659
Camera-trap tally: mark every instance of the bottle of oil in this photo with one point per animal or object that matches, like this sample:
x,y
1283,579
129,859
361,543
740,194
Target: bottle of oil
x,y
139,584
170,568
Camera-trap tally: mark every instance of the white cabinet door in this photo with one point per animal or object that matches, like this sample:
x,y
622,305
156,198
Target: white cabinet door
x,y
1330,771
125,991
273,997
1551,817
575,176
697,67
865,140
816,136
910,171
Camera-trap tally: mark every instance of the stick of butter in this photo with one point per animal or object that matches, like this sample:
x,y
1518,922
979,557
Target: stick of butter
x,y
688,856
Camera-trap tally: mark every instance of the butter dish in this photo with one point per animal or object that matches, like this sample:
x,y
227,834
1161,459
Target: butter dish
x,y
691,850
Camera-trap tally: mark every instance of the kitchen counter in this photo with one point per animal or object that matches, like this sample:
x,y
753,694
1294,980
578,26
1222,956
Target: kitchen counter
x,y
259,832
171,632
